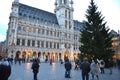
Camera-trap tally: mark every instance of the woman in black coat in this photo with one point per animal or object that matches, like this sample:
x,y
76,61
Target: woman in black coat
x,y
35,68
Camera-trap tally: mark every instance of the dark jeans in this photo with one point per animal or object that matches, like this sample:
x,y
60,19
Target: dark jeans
x,y
85,76
67,73
35,76
102,70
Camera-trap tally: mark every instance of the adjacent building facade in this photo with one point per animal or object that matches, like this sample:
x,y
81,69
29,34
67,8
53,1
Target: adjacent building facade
x,y
116,44
34,32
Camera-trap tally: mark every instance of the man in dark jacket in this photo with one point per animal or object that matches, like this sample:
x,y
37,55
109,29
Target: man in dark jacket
x,y
85,67
5,69
68,67
35,68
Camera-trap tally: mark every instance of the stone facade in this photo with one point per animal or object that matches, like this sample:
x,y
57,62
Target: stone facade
x,y
34,32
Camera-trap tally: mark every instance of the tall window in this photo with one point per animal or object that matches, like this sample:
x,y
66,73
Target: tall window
x,y
50,44
57,34
51,33
38,43
65,13
34,30
65,45
38,31
18,41
69,15
42,44
33,43
28,43
65,35
57,45
65,1
66,24
69,25
23,42
43,31
54,45
47,33
46,44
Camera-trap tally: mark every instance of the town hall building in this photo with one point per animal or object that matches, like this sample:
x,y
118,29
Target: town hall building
x,y
36,33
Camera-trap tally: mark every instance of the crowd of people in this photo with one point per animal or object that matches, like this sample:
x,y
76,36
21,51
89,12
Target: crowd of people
x,y
93,68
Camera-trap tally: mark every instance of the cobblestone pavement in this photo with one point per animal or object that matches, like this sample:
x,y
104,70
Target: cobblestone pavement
x,y
54,72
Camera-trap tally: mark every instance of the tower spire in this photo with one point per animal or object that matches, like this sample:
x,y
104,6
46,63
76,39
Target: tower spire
x,y
16,0
64,13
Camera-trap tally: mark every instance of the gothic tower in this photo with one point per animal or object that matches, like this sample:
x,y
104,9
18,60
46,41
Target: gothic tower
x,y
64,13
13,23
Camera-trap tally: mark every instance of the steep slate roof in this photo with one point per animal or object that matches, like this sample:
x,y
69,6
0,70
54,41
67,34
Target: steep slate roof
x,y
77,25
35,13
31,12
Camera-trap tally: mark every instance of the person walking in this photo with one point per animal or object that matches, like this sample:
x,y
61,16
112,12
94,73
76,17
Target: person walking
x,y
35,68
95,69
76,64
51,61
102,65
85,67
5,69
68,67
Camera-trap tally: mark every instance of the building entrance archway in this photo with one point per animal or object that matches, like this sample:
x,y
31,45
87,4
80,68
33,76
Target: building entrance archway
x,y
66,54
17,54
24,54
